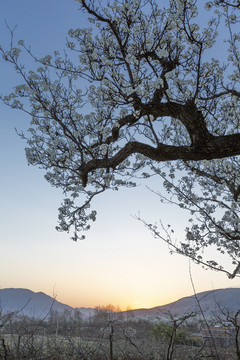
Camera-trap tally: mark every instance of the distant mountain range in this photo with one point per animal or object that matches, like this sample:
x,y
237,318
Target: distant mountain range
x,y
34,304
211,302
39,305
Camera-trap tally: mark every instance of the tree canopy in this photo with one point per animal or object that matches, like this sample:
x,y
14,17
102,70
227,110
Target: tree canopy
x,y
143,90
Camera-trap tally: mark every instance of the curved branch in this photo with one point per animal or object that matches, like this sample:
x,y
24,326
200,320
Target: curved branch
x,y
216,147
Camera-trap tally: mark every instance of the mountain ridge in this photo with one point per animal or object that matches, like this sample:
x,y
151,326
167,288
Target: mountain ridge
x,y
39,304
33,304
210,301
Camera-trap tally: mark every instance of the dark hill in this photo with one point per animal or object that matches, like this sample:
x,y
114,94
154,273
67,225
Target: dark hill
x,y
210,302
38,305
29,303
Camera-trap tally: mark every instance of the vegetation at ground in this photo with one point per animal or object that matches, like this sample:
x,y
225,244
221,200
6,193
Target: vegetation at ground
x,y
110,335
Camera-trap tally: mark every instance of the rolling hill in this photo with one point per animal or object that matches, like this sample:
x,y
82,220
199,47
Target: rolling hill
x,y
33,304
210,302
38,304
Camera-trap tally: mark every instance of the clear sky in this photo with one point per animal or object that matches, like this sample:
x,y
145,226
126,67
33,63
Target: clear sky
x,y
119,262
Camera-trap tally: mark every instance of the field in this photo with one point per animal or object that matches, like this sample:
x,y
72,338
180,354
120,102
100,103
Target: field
x,y
108,336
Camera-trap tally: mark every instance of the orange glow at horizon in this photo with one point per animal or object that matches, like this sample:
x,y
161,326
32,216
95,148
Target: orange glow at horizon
x,y
122,305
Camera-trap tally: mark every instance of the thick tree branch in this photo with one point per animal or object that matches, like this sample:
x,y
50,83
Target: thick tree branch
x,y
216,147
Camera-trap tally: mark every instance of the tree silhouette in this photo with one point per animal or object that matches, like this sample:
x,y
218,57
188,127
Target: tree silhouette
x,y
138,92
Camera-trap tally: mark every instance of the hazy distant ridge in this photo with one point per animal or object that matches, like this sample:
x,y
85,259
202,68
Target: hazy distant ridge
x,y
210,302
33,304
38,304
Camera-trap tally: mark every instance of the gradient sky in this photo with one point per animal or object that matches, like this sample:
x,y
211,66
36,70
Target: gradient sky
x,y
119,262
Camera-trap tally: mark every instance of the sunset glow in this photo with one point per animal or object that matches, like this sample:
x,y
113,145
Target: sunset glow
x,y
120,262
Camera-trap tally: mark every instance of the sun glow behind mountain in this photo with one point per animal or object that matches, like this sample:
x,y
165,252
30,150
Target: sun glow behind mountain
x,y
120,262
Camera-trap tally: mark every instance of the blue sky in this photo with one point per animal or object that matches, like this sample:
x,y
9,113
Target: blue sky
x,y
119,262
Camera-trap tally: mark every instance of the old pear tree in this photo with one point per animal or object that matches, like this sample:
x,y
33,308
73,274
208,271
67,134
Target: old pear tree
x,y
143,90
